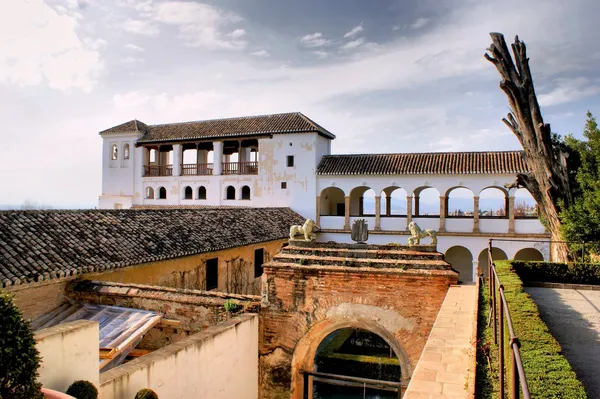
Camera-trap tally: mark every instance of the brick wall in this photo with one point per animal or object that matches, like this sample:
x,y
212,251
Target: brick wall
x,y
401,304
35,299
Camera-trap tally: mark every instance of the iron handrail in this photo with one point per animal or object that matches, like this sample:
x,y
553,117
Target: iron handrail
x,y
350,381
500,313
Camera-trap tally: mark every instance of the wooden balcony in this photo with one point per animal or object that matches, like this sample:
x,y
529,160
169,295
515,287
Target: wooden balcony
x,y
156,170
240,168
196,169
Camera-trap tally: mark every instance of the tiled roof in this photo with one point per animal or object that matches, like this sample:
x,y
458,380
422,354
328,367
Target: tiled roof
x,y
127,127
41,245
494,162
294,122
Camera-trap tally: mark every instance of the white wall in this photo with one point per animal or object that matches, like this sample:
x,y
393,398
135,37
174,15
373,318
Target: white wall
x,y
219,363
69,353
119,176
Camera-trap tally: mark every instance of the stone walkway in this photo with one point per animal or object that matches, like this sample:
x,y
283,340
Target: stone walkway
x,y
573,316
446,368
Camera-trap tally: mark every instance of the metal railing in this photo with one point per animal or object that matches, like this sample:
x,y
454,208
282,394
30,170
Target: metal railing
x,y
500,314
156,170
349,381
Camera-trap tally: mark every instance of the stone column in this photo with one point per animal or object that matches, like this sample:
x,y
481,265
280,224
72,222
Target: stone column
x,y
417,208
388,205
475,267
177,159
318,215
476,214
347,213
144,159
377,212
511,215
443,204
409,211
361,206
217,158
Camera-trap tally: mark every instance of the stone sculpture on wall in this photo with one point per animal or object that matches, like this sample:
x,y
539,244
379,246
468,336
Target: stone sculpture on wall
x,y
360,231
306,229
417,234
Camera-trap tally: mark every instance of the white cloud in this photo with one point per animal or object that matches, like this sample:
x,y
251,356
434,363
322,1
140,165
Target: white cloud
x,y
261,53
419,23
354,43
37,44
568,90
97,44
321,54
395,27
237,33
200,25
314,40
354,31
139,27
131,46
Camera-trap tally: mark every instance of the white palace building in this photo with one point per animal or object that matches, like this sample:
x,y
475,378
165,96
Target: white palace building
x,y
284,160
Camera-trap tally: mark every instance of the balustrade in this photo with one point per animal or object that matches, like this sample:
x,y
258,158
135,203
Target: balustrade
x,y
240,168
158,170
197,169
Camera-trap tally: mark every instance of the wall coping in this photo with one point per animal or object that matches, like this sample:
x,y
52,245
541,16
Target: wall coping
x,y
200,338
446,233
374,270
64,329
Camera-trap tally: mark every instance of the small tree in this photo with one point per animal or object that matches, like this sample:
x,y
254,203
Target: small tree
x,y
19,358
146,394
581,220
83,390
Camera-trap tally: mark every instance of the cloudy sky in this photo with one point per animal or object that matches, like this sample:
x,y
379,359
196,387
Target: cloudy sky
x,y
384,76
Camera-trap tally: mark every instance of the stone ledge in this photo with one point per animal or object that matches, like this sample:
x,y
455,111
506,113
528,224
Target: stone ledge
x,y
64,329
446,233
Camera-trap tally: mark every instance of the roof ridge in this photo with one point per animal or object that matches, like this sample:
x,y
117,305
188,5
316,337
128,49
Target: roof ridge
x,y
425,153
226,119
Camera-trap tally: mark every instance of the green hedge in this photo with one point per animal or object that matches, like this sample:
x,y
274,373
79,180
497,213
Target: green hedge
x,y
549,272
548,372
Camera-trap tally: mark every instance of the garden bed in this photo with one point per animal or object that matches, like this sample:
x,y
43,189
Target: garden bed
x,y
548,372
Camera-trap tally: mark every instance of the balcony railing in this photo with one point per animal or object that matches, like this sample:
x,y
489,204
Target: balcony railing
x,y
156,170
240,168
197,169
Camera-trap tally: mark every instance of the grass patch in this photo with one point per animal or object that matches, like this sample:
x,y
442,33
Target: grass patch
x,y
550,272
548,372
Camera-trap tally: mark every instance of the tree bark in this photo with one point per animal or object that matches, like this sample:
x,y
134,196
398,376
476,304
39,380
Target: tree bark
x,y
547,179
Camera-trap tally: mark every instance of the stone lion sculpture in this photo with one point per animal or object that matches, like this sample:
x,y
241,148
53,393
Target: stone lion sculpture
x,y
306,229
417,234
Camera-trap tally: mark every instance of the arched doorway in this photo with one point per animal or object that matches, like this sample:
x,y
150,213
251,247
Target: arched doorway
x,y
497,254
332,341
529,254
461,260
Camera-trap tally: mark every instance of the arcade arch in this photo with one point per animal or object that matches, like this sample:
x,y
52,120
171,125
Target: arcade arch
x,y
525,206
459,202
357,200
393,201
493,203
528,254
332,202
497,254
461,260
426,202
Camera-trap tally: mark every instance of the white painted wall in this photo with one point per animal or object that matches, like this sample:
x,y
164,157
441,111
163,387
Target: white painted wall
x,y
219,363
69,353
119,177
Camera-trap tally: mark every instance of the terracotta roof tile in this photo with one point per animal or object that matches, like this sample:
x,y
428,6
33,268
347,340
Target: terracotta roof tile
x,y
494,162
41,245
294,122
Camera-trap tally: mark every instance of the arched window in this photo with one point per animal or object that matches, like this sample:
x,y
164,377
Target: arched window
x,y
115,152
459,202
493,203
201,193
162,193
230,194
149,193
126,151
245,193
187,193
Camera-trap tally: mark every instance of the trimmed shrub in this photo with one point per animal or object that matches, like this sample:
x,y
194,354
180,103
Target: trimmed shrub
x,y
549,272
83,390
19,358
146,394
548,372
231,305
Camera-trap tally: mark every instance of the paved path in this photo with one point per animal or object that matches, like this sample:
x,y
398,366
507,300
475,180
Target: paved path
x,y
573,316
446,366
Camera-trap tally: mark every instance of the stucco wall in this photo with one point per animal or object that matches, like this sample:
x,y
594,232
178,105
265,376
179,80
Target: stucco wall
x,y
69,353
35,299
220,362
190,271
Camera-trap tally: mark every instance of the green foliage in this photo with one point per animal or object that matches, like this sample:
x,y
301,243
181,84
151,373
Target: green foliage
x,y
548,372
581,220
146,394
83,390
19,358
549,272
231,305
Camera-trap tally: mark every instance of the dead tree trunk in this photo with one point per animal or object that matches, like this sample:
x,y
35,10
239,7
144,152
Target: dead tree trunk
x,y
547,179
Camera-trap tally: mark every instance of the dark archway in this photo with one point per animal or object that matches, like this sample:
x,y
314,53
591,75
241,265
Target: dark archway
x,y
461,260
497,254
332,202
188,193
162,193
201,193
230,193
529,254
245,193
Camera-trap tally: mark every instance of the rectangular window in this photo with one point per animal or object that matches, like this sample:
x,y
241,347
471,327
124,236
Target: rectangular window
x,y
212,274
290,161
259,259
283,185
